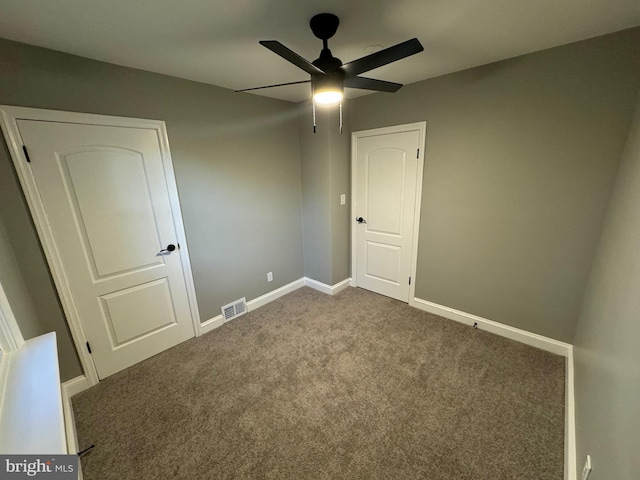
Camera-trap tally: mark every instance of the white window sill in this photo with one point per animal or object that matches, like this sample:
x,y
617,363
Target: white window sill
x,y
31,418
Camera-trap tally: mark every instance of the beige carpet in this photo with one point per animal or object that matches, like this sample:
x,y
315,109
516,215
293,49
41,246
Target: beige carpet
x,y
355,386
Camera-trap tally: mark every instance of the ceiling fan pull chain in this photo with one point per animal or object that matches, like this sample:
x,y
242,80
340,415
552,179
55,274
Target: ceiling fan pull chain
x,y
340,117
313,103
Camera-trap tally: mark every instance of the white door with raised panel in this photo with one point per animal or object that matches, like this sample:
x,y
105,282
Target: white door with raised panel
x,y
105,195
386,184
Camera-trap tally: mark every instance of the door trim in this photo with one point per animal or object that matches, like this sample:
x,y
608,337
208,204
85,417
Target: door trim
x,y
421,127
9,117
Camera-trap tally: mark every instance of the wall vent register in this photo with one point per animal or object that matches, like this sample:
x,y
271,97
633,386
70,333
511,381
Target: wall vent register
x,y
234,309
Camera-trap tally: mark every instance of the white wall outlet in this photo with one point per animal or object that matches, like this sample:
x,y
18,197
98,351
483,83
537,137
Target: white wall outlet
x,y
270,277
343,199
586,471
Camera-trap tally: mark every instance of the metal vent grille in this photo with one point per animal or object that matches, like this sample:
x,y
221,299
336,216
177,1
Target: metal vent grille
x,y
228,312
234,309
241,307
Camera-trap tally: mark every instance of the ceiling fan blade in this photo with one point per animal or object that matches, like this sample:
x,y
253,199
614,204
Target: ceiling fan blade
x,y
291,56
271,86
383,57
372,84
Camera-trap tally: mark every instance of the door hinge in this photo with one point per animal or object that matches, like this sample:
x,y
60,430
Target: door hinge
x,y
88,347
418,154
26,154
409,280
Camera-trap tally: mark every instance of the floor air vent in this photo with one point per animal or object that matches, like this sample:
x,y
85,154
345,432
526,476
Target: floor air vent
x,y
234,309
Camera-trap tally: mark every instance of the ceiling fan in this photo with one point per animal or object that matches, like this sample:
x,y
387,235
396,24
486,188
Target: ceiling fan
x,y
328,75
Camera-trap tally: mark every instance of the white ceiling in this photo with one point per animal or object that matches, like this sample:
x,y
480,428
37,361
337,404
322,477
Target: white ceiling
x,y
216,41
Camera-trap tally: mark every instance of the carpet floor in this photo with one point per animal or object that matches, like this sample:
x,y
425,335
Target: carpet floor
x,y
310,386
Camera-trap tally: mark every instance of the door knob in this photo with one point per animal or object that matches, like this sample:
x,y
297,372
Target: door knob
x,y
361,220
170,248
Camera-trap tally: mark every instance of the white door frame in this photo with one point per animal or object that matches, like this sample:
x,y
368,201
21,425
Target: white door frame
x,y
9,117
421,127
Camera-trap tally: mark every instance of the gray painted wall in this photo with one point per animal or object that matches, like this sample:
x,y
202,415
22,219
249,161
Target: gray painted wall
x,y
340,174
34,319
237,164
13,285
325,159
316,193
520,160
607,363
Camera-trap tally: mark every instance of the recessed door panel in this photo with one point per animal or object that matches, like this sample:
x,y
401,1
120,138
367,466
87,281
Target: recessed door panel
x,y
385,190
141,310
97,179
383,261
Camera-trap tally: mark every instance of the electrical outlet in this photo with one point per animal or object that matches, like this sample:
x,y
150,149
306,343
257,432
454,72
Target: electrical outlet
x,y
586,471
343,199
270,277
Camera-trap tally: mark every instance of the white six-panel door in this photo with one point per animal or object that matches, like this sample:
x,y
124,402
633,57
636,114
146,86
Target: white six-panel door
x,y
385,205
104,192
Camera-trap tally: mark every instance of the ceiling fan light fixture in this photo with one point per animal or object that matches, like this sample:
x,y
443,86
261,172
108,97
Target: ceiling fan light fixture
x,y
328,97
328,89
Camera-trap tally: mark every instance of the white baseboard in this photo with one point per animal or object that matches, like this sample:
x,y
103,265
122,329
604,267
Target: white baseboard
x,y
69,389
522,336
211,324
328,289
274,294
258,302
75,385
69,425
570,467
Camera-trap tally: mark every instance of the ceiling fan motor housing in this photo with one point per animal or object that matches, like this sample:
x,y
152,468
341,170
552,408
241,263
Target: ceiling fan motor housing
x,y
326,61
